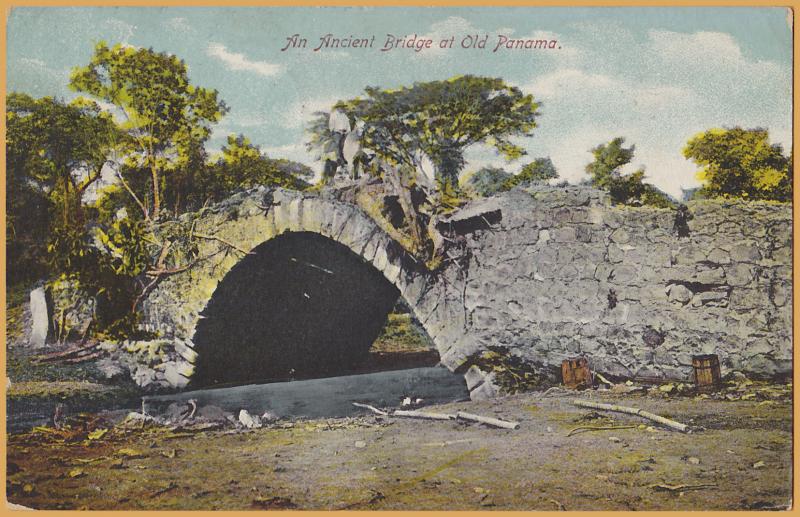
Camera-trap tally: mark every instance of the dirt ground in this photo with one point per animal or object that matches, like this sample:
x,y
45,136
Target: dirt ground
x,y
741,459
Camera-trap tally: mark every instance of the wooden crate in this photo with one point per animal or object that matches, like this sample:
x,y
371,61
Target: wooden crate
x,y
706,373
576,374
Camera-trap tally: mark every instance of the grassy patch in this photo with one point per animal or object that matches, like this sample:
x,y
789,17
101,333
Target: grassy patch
x,y
402,334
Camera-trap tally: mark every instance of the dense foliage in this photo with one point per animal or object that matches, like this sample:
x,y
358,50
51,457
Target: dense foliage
x,y
167,119
54,153
486,181
440,119
605,173
94,194
539,170
741,163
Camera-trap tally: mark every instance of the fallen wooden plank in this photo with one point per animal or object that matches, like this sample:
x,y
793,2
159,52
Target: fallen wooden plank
x,y
588,428
425,415
495,422
371,408
672,424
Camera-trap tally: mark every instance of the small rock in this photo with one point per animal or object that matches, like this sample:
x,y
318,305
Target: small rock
x,y
269,416
667,388
693,460
360,444
759,465
248,420
614,439
738,376
139,417
549,429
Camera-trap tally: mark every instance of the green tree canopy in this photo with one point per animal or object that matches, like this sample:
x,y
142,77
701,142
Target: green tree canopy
x,y
539,170
242,165
741,163
486,181
165,116
441,119
55,151
605,173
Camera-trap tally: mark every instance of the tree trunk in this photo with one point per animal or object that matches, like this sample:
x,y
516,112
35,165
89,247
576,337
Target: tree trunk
x,y
66,201
156,191
392,175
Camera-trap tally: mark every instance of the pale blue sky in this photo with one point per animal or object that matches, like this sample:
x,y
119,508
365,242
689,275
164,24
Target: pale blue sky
x,y
656,76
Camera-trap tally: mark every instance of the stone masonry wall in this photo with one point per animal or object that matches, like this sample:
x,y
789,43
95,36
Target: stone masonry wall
x,y
551,273
566,274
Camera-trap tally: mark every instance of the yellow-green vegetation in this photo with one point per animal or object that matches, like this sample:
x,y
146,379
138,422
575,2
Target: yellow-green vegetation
x,y
605,173
741,163
56,389
402,334
512,374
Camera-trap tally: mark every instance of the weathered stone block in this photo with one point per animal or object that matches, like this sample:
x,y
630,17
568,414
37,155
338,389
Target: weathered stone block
x,y
739,275
746,252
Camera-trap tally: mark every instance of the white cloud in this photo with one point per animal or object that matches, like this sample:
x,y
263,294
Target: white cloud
x,y
451,27
240,62
180,25
563,83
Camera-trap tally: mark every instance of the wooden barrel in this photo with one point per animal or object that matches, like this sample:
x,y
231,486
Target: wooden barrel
x,y
575,373
706,372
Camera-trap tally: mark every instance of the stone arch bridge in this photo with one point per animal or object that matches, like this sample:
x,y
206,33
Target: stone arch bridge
x,y
298,281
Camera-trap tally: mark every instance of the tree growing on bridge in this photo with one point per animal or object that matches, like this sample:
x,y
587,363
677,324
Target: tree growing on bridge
x,y
741,163
605,173
441,119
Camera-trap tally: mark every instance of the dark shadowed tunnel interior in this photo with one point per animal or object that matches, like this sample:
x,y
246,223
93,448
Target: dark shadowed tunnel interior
x,y
301,305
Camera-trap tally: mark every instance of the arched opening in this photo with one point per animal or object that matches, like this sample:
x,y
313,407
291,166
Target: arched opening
x,y
300,306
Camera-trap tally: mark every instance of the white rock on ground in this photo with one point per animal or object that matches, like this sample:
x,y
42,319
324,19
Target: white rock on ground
x,y
248,420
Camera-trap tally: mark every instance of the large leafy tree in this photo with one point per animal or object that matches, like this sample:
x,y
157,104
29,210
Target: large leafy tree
x,y
55,152
441,119
165,116
605,173
741,163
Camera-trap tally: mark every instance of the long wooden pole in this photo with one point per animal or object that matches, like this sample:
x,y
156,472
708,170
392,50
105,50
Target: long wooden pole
x,y
425,415
634,411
